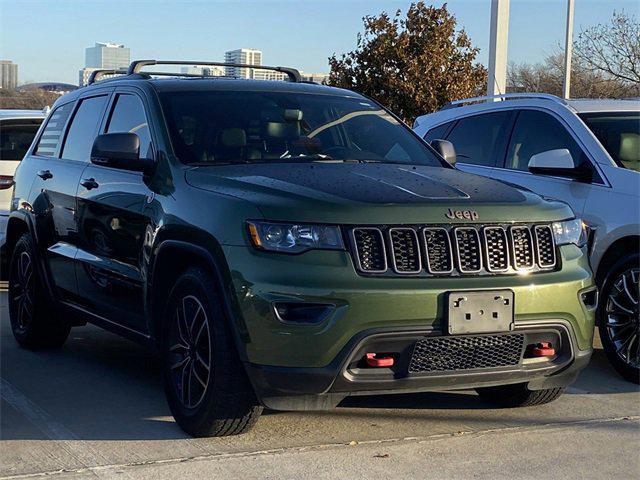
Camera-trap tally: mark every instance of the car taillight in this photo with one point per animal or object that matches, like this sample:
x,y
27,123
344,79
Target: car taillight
x,y
6,181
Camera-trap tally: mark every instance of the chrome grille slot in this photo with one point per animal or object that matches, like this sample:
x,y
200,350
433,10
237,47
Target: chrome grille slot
x,y
405,250
468,249
522,248
545,246
370,252
497,249
438,250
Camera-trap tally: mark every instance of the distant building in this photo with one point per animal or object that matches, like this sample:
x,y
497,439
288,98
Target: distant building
x,y
103,55
204,70
246,56
9,74
322,78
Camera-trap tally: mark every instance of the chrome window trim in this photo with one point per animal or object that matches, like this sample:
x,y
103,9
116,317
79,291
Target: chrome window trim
x,y
455,236
553,246
355,246
426,250
486,249
393,258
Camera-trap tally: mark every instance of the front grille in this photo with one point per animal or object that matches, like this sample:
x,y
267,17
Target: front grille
x,y
465,250
445,354
370,251
522,245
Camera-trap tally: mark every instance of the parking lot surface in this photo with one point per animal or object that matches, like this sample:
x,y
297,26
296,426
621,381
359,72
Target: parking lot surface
x,y
95,408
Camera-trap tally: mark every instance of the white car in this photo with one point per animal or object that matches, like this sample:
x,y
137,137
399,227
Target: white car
x,y
583,152
17,130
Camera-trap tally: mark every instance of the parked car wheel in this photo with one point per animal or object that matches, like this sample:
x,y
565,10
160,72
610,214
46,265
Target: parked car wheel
x,y
33,320
207,388
518,395
619,317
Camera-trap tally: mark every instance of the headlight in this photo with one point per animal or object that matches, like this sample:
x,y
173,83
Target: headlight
x,y
570,231
294,238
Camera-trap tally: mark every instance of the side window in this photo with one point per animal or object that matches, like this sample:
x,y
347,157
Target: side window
x,y
82,132
52,133
537,132
437,133
128,117
476,138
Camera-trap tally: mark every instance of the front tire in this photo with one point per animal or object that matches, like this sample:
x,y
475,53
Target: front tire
x,y
34,322
518,395
207,388
619,317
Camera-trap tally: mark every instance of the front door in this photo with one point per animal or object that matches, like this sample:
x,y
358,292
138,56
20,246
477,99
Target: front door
x,y
112,226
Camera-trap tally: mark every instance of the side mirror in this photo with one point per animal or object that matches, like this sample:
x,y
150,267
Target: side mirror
x,y
446,150
120,150
559,163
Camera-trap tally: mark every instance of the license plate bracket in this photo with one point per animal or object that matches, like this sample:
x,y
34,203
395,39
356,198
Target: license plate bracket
x,y
488,311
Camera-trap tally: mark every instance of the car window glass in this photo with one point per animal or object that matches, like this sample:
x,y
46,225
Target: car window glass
x,y
437,133
16,137
536,132
52,133
82,131
128,117
475,138
619,134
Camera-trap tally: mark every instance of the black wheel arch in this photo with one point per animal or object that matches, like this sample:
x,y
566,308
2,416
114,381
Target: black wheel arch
x,y
620,248
172,255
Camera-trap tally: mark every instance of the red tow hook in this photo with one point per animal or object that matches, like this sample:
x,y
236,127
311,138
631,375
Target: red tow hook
x,y
543,349
373,360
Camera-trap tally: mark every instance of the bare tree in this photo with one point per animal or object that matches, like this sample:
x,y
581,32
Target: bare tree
x,y
612,49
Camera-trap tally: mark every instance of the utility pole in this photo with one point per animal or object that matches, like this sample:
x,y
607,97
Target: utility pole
x,y
568,48
498,36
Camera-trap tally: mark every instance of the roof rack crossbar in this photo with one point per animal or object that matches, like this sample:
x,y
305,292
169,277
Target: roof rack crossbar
x,y
96,74
505,96
137,65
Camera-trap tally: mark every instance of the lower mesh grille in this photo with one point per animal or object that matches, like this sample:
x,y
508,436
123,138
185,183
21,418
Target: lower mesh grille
x,y
442,354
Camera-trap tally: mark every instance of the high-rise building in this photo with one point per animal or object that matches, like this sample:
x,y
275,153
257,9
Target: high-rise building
x,y
103,55
9,74
246,56
204,70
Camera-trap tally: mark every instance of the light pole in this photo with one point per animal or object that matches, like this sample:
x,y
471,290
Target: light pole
x,y
498,36
568,47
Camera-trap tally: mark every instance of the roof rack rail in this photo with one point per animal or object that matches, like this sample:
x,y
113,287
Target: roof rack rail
x,y
137,65
96,74
503,97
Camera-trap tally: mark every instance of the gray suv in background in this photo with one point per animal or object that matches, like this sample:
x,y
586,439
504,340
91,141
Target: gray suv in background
x,y
583,152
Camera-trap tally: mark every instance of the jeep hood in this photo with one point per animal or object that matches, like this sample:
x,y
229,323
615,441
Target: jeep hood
x,y
372,193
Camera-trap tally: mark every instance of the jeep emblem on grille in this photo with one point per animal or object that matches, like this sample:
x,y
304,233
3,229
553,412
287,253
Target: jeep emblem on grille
x,y
462,214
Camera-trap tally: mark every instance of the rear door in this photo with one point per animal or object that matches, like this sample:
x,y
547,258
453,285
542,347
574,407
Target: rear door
x,y
536,131
58,161
111,223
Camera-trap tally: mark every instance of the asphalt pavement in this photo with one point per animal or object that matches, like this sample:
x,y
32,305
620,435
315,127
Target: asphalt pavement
x,y
95,408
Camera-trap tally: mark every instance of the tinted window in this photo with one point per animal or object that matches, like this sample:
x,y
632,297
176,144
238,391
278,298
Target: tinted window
x,y
225,127
128,116
537,132
82,131
619,134
16,137
437,133
52,134
476,138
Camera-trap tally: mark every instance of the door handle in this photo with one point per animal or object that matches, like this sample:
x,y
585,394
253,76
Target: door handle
x,y
45,174
89,183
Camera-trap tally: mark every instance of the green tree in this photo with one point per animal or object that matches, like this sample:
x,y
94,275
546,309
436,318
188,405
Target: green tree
x,y
413,64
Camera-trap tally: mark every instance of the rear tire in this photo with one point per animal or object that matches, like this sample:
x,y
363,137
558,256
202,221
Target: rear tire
x,y
518,395
35,323
619,317
207,388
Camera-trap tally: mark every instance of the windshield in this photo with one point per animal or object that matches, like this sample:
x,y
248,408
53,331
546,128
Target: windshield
x,y
16,137
221,127
619,134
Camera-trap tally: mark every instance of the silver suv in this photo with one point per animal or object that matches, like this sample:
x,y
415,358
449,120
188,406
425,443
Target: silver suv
x,y
584,152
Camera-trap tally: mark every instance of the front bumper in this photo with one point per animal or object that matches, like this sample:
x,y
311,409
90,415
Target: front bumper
x,y
308,364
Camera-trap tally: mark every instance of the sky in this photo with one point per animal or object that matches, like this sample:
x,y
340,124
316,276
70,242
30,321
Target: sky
x,y
47,38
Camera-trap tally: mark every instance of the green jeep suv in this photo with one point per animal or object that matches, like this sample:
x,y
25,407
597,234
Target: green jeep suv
x,y
286,245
